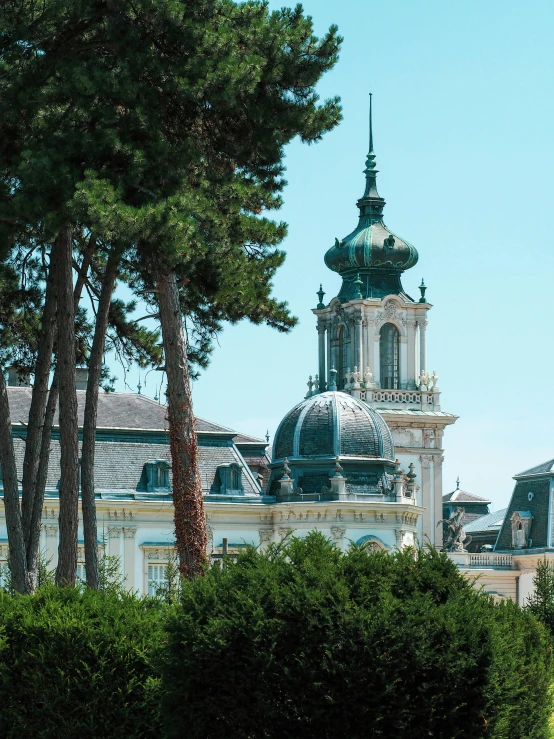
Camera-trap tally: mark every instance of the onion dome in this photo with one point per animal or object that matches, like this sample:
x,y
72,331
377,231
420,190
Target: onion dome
x,y
372,254
333,424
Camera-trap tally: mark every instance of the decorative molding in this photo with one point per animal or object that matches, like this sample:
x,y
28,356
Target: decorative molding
x,y
337,533
426,460
162,555
391,312
428,438
114,532
265,535
51,530
48,513
121,515
129,532
284,532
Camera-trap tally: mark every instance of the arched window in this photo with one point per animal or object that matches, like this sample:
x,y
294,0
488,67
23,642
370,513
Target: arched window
x,y
344,341
389,343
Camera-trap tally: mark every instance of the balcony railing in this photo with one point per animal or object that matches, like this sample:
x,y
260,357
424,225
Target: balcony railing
x,y
421,400
490,560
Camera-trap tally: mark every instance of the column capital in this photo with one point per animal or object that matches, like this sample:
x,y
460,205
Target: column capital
x,y
51,530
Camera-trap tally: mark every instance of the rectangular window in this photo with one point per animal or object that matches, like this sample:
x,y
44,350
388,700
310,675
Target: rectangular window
x,y
81,572
157,579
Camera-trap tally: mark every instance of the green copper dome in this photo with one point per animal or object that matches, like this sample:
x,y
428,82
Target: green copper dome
x,y
333,428
372,258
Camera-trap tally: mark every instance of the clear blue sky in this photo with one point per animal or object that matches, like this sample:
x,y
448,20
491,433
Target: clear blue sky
x,y
463,127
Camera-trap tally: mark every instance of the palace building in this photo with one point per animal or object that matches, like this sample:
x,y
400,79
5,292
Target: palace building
x,y
359,458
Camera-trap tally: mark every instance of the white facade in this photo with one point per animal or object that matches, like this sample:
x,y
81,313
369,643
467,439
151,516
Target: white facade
x,y
350,355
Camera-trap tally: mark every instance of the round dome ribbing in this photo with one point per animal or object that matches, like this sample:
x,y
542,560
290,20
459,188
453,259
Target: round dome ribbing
x,y
371,245
333,424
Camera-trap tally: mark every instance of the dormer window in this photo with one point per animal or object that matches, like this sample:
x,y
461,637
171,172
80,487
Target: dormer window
x,y
157,476
228,479
521,529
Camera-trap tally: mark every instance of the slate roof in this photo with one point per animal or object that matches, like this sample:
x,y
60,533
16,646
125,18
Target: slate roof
x,y
539,469
461,496
115,411
121,454
490,522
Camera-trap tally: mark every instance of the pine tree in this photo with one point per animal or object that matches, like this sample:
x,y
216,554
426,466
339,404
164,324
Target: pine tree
x,y
161,126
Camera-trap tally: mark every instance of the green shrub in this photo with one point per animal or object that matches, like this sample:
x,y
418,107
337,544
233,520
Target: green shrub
x,y
307,642
77,663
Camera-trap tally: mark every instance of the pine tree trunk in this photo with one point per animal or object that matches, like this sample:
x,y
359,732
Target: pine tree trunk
x,y
89,426
40,483
39,397
16,541
190,522
46,437
69,440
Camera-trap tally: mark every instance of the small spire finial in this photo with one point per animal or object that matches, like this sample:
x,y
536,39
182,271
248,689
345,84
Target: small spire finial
x,y
358,290
422,289
370,124
267,436
139,386
320,293
332,379
458,482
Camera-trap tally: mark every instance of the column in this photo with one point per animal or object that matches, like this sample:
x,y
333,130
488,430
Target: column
x,y
360,347
114,543
51,545
321,347
428,535
129,533
266,537
422,346
437,492
337,534
329,352
412,359
376,360
403,364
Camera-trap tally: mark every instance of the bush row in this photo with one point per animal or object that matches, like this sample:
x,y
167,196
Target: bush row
x,y
301,641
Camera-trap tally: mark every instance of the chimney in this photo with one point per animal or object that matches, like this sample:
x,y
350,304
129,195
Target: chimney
x,y
18,377
82,378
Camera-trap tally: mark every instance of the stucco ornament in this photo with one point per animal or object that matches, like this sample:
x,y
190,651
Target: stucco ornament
x,y
455,538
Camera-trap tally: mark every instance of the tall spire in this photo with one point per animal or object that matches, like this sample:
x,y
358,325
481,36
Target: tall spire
x,y
370,203
370,125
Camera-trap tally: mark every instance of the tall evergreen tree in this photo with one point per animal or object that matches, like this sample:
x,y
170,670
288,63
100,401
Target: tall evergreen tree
x,y
160,124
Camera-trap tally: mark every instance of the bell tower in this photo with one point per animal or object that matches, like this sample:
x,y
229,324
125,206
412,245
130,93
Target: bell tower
x,y
372,344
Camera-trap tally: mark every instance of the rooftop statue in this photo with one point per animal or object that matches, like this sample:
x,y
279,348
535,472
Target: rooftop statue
x,y
455,537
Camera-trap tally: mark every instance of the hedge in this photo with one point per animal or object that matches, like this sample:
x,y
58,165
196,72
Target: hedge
x,y
78,663
306,641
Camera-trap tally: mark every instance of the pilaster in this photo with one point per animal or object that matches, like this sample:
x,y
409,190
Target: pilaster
x,y
129,533
51,531
437,485
428,534
114,541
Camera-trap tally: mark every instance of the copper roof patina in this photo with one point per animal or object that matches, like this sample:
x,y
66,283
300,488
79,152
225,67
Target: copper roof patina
x,y
371,258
